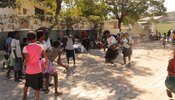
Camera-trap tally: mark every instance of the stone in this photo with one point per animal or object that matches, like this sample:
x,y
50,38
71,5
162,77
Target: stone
x,y
122,88
131,95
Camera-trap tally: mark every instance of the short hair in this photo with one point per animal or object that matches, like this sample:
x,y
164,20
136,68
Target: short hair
x,y
39,33
10,34
15,33
31,35
56,43
106,32
24,39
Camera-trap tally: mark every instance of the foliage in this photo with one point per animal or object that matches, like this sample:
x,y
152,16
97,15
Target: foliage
x,y
125,11
129,11
7,3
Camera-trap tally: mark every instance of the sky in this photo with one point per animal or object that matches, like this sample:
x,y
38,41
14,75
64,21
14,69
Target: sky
x,y
170,5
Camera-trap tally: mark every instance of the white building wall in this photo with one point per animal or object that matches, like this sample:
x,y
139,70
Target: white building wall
x,y
7,11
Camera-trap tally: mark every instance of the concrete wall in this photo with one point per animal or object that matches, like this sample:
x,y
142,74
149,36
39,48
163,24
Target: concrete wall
x,y
53,35
111,25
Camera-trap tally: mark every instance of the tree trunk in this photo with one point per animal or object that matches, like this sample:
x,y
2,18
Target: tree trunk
x,y
119,24
57,12
58,8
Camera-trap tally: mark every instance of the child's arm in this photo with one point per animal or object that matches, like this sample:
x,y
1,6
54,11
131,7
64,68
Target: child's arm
x,y
25,58
59,61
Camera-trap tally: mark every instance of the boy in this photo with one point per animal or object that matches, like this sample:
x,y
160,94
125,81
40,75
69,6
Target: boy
x,y
16,57
32,53
53,53
69,47
164,40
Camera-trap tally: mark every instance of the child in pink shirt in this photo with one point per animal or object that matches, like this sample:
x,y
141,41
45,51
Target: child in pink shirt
x,y
32,53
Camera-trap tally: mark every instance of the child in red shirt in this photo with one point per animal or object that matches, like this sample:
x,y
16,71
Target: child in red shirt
x,y
32,53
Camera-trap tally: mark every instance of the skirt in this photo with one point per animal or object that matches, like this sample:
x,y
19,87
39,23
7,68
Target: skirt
x,y
111,54
70,53
34,81
170,83
127,52
50,69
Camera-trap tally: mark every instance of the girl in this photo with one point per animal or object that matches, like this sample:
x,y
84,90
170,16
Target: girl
x,y
53,53
112,45
127,47
170,80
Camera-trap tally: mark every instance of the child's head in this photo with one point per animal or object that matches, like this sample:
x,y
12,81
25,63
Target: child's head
x,y
6,57
24,39
107,33
40,35
16,35
31,36
56,44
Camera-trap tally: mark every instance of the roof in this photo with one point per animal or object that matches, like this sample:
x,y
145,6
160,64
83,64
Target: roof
x,y
148,18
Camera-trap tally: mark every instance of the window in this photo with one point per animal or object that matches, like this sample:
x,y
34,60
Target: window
x,y
39,11
24,11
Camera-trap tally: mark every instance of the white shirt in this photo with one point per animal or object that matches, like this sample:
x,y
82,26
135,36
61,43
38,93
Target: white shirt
x,y
42,44
126,42
111,41
47,43
69,43
16,46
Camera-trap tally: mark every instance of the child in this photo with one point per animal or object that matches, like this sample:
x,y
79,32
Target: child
x,y
164,40
170,80
127,48
53,53
69,47
16,57
112,45
5,61
32,53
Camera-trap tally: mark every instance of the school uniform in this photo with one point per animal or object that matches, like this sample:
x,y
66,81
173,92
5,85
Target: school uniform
x,y
127,49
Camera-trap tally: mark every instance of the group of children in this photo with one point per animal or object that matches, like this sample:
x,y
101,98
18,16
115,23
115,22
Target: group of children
x,y
113,44
37,57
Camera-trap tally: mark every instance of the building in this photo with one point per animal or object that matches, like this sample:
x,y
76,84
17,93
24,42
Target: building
x,y
111,25
169,18
24,16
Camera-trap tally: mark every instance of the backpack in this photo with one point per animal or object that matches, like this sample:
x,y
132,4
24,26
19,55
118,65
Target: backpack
x,y
171,67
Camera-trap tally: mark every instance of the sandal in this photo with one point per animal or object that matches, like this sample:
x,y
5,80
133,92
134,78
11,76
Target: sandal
x,y
169,93
58,93
47,91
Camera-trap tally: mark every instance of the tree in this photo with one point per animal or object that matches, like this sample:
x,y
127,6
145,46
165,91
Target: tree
x,y
55,8
133,10
7,3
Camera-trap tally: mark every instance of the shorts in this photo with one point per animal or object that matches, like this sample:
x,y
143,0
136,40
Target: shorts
x,y
70,53
34,81
16,65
